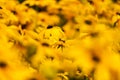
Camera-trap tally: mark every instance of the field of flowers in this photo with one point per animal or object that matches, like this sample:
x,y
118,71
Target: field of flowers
x,y
59,40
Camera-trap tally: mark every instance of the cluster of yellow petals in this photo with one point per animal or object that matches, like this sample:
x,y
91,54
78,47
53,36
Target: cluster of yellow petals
x,y
59,40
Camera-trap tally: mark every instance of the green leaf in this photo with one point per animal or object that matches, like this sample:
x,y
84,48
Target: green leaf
x,y
20,1
63,20
31,51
